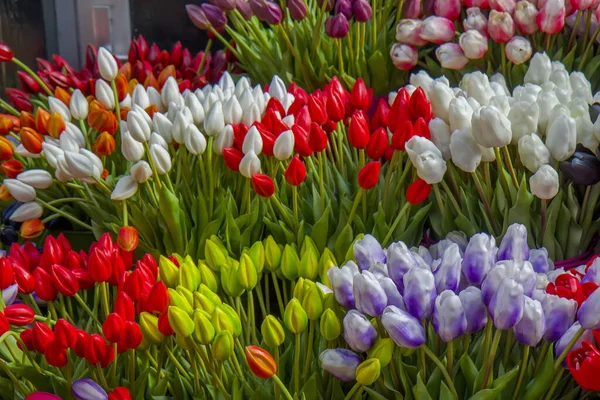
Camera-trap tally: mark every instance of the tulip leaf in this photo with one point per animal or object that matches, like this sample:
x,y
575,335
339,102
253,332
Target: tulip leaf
x,y
520,212
414,232
379,72
592,66
320,230
465,225
342,243
232,234
420,390
543,378
445,393
498,386
140,384
42,382
564,220
469,370
433,383
309,389
574,241
572,202
170,211
569,58
211,229
160,387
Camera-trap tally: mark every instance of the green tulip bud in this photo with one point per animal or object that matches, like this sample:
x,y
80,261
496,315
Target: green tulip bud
x,y
313,303
168,271
368,371
187,294
222,347
383,351
149,327
272,254
185,343
215,256
207,276
180,321
272,331
350,252
308,245
178,258
222,321
235,318
212,295
202,302
309,264
299,289
204,331
230,281
295,317
257,254
247,274
331,328
289,263
178,300
189,276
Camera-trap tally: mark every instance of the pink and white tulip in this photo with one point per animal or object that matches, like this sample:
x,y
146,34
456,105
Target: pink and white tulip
x,y
483,4
551,17
581,4
437,30
408,31
503,5
476,20
411,9
451,56
473,44
524,17
404,56
501,26
518,50
449,9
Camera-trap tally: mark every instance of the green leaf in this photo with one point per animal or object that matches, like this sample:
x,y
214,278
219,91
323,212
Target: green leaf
x,y
310,389
540,384
420,390
232,234
497,387
320,230
342,243
379,72
520,212
445,393
373,394
140,385
414,232
568,60
469,370
170,211
433,384
592,66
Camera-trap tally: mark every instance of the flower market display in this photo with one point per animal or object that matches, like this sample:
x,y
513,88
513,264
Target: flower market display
x,y
349,200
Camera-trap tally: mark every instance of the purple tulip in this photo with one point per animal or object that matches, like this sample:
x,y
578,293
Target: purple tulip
x,y
449,319
593,273
225,5
379,270
216,17
42,396
87,389
197,16
362,10
478,258
337,26
274,14
411,9
9,294
298,9
343,7
328,7
514,244
423,253
359,333
562,343
341,282
520,271
475,310
244,9
367,252
399,261
394,298
530,329
419,292
539,260
559,314
589,311
340,363
403,328
447,276
506,306
369,296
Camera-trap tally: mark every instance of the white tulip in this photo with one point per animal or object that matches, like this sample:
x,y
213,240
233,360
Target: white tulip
x,y
126,102
74,133
170,92
20,191
252,141
78,165
546,101
246,99
226,82
440,97
140,96
466,153
421,79
544,183
277,88
440,136
539,69
284,145
52,153
141,171
232,111
125,188
477,85
143,113
242,84
37,178
427,159
502,103
179,126
499,89
104,94
561,137
194,140
523,119
490,128
249,165
162,126
460,114
289,120
155,138
582,88
223,140
288,101
215,120
196,109
78,105
107,65
154,97
533,152
95,160
579,108
217,91
138,127
62,176
585,133
259,98
251,115
132,149
22,151
55,105
161,159
26,211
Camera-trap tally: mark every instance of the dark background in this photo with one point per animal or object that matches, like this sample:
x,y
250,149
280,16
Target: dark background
x,y
30,30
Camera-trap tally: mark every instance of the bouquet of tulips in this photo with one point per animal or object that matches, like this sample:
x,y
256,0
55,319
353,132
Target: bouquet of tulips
x,y
461,318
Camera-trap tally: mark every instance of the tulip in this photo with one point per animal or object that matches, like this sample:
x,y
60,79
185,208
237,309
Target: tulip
x,y
404,56
128,238
525,17
341,363
359,333
518,50
408,32
523,119
78,105
342,283
583,364
36,178
87,389
369,175
107,66
478,87
449,317
588,311
284,145
475,20
295,172
125,188
447,276
9,294
295,318
561,137
569,335
447,9
551,17
252,141
6,53
138,127
215,120
427,159
261,363
441,136
141,171
369,295
20,191
31,229
161,159
104,94
249,165
132,149
403,328
451,56
544,183
473,44
474,308
263,185
368,252
465,152
337,26
501,26
437,30
419,292
507,303
490,127
31,210
530,329
539,69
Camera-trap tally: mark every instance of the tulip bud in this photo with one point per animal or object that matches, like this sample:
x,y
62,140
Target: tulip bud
x,y
20,191
330,325
539,69
223,140
261,363
6,53
451,56
125,188
161,159
149,327
404,56
491,128
78,105
31,210
194,140
86,388
551,17
473,44
437,30
474,308
501,26
295,318
180,321
272,331
214,121
359,333
341,363
403,328
141,171
337,26
249,165
368,371
544,183
36,178
107,64
561,137
475,20
204,331
518,50
369,175
312,303
104,94
284,145
465,152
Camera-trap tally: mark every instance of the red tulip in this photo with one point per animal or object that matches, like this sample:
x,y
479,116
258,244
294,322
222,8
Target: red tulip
x,y
317,110
232,158
19,314
369,175
7,273
263,185
295,172
420,106
302,118
301,141
28,84
335,106
24,279
44,288
158,299
106,242
96,349
584,364
113,327
32,253
381,117
400,110
132,335
82,343
42,336
378,144
275,105
52,254
26,336
418,191
99,265
19,256
65,334
317,138
11,168
135,286
73,260
56,355
64,280
421,128
4,324
64,244
84,278
150,264
261,362
358,131
118,269
124,306
6,54
126,257
119,393
402,134
164,326
360,98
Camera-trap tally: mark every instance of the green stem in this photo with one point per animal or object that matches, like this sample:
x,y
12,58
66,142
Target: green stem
x,y
522,370
64,214
87,309
353,391
9,108
355,205
509,165
297,350
132,369
440,365
574,32
113,85
567,349
486,205
396,222
278,293
490,361
438,198
309,349
589,47
203,61
450,357
282,387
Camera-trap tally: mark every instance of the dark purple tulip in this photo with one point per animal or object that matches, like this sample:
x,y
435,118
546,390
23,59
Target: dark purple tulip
x,y
594,111
344,7
274,14
215,15
403,328
225,5
337,27
582,169
298,9
244,8
362,10
197,16
329,6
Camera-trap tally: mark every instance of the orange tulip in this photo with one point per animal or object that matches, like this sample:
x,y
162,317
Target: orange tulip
x,y
151,109
42,117
104,145
122,88
125,70
102,120
132,84
261,362
124,112
4,194
151,81
62,95
56,125
32,228
104,173
166,73
6,149
31,140
6,125
127,238
26,119
11,168
95,105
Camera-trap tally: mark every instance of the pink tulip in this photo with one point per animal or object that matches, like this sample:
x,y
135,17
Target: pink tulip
x,y
451,56
503,5
473,44
483,4
475,20
437,30
42,396
408,31
581,4
525,17
411,9
598,14
518,50
501,26
447,8
404,56
551,17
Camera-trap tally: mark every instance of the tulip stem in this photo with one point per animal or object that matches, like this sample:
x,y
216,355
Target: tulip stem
x,y
566,350
203,61
309,349
501,176
588,48
64,214
210,177
284,390
522,369
297,364
9,108
87,309
353,391
113,85
440,365
575,29
555,381
278,293
104,292
295,205
438,198
152,165
395,224
388,177
544,211
450,357
25,68
486,205
490,360
322,179
355,205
